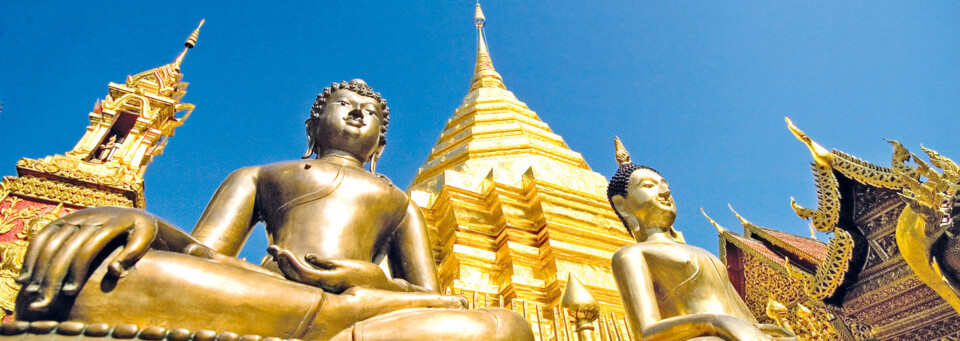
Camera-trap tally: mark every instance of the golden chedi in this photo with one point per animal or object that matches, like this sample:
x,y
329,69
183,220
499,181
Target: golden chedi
x,y
671,290
329,220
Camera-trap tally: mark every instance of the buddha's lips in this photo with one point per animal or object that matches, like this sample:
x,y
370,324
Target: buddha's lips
x,y
355,121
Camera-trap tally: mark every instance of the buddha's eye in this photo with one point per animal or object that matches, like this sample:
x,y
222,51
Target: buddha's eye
x,y
342,103
647,184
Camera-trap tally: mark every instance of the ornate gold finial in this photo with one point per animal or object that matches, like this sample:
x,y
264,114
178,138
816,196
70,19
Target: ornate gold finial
x,y
623,156
581,306
478,18
720,229
484,75
813,232
779,313
192,39
775,310
189,44
821,155
804,312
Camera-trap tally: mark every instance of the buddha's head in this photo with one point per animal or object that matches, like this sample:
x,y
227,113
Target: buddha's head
x,y
641,198
348,117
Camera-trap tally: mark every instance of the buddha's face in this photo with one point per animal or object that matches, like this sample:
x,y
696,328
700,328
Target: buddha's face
x,y
351,123
648,201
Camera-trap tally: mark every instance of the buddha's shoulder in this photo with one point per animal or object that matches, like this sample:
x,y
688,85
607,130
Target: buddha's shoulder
x,y
651,248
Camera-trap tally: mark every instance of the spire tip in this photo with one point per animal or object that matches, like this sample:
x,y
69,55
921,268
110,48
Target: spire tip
x,y
478,18
192,39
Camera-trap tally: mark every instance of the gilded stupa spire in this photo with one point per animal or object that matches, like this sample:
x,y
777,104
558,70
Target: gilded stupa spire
x,y
484,75
510,206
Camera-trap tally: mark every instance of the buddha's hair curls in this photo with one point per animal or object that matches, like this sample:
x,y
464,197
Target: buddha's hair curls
x,y
618,184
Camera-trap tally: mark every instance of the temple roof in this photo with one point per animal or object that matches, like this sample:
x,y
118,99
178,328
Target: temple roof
x,y
799,247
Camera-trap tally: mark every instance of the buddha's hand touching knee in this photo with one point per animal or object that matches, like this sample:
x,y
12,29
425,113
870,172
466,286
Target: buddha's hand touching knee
x,y
332,275
59,258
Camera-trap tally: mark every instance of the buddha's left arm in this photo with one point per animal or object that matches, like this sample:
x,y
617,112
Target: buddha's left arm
x,y
410,255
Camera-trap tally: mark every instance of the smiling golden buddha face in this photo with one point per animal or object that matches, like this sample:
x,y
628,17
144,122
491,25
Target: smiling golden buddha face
x,y
648,200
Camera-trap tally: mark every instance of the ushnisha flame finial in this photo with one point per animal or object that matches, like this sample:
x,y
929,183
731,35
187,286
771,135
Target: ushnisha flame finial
x,y
623,156
189,44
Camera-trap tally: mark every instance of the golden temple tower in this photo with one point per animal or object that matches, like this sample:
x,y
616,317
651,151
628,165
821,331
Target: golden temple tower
x,y
512,210
127,129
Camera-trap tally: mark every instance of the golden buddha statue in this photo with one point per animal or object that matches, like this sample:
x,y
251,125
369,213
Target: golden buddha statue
x,y
671,290
329,220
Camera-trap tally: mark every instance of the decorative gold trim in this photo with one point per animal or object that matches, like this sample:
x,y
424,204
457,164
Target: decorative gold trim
x,y
56,191
865,172
834,268
55,165
827,214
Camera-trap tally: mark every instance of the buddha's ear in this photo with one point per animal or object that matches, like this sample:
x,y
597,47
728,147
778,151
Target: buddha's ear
x,y
375,157
311,141
618,205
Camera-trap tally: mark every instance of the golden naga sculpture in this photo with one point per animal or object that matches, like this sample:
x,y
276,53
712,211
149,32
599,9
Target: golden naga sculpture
x,y
329,221
926,233
671,290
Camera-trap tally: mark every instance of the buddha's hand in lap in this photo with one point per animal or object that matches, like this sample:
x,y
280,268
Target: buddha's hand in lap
x,y
737,329
60,256
332,275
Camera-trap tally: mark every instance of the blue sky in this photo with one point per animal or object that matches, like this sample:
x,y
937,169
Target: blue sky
x,y
697,90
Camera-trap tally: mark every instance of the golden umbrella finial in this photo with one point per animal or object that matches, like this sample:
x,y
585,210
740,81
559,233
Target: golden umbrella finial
x,y
623,156
189,44
192,40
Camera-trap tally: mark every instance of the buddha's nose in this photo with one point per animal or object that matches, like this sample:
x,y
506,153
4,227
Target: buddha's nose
x,y
355,114
664,191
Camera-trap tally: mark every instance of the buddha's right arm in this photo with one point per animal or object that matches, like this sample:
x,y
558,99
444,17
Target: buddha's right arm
x,y
632,273
231,214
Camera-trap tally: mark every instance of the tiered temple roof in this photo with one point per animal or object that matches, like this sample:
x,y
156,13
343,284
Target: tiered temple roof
x,y
857,280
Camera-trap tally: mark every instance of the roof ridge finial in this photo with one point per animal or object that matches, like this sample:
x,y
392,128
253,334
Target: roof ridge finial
x,y
189,44
623,156
720,229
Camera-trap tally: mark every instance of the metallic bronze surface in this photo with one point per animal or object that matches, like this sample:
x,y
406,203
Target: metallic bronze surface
x,y
329,221
671,290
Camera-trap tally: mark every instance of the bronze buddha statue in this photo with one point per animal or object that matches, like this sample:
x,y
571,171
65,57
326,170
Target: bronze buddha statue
x,y
671,290
329,222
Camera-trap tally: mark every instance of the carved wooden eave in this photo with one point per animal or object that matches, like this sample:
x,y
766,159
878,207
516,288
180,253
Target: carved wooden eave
x,y
837,175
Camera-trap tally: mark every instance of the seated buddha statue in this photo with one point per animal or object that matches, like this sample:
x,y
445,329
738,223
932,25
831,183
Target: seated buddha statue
x,y
330,222
671,290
